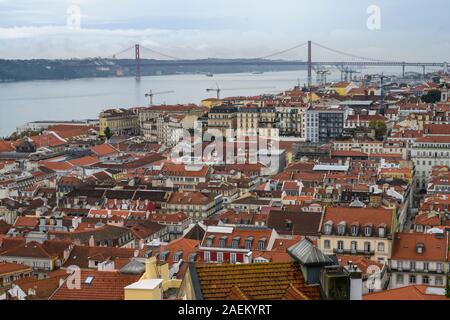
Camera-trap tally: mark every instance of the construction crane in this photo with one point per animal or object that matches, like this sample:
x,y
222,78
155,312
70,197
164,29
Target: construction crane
x,y
151,94
218,89
322,76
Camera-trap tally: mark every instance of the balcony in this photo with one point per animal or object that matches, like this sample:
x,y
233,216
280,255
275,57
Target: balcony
x,y
354,252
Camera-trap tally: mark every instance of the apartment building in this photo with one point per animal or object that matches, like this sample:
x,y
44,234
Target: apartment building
x,y
119,121
427,152
419,258
358,231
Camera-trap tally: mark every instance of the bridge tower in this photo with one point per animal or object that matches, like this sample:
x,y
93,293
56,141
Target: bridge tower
x,y
309,64
138,62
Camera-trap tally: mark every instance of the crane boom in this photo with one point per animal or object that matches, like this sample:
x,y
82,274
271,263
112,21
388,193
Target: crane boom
x,y
151,94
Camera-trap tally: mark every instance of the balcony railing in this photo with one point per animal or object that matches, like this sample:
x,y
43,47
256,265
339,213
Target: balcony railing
x,y
354,252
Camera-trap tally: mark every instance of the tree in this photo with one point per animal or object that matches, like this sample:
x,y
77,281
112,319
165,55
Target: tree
x,y
108,133
447,288
432,96
380,128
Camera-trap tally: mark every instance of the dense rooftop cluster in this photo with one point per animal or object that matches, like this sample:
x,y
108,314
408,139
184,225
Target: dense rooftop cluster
x,y
359,199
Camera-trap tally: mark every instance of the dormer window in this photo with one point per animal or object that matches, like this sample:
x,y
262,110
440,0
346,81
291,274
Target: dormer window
x,y
163,255
235,242
223,241
368,231
382,232
210,240
177,256
341,228
262,244
354,230
328,227
248,243
420,248
288,225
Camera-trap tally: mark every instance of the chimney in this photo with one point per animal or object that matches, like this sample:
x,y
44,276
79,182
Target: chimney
x,y
151,269
92,241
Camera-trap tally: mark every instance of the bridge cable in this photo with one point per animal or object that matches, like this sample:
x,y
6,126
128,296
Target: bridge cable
x,y
161,54
283,51
349,54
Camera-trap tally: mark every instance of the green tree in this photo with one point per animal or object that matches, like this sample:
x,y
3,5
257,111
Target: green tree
x,y
108,133
447,289
432,96
380,128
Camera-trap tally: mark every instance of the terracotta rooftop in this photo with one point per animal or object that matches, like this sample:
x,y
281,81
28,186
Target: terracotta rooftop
x,y
405,247
7,268
260,281
105,285
415,292
103,150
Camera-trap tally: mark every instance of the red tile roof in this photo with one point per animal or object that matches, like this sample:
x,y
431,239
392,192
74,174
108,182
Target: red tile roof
x,y
258,281
105,285
414,292
7,268
103,150
405,247
6,146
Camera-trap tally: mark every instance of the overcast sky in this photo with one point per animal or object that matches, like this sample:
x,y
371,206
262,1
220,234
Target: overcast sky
x,y
410,29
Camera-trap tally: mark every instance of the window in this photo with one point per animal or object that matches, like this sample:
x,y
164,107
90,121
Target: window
x,y
89,280
438,281
328,227
235,243
341,229
248,243
220,257
354,246
327,244
355,230
425,279
340,245
382,232
439,267
262,244
366,246
368,231
399,279
223,242
177,256
426,266
207,256
210,241
412,279
380,247
233,258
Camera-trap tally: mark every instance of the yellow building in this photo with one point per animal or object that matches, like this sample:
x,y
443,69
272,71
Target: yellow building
x,y
211,102
259,120
153,283
341,88
221,119
364,232
119,121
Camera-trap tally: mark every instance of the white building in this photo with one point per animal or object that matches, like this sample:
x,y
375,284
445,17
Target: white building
x,y
428,152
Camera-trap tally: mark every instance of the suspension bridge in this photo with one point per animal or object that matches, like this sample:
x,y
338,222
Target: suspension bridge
x,y
343,61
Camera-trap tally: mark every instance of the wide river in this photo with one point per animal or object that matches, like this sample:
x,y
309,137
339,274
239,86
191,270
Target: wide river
x,y
22,102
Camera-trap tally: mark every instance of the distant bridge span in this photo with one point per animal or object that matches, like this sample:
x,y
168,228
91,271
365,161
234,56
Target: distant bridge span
x,y
350,60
